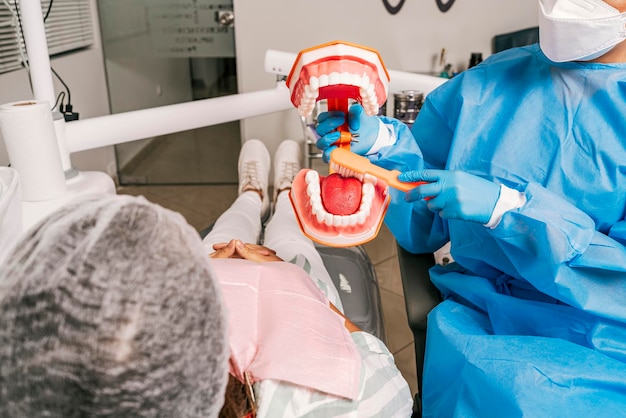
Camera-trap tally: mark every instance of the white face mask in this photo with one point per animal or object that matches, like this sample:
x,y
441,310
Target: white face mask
x,y
579,30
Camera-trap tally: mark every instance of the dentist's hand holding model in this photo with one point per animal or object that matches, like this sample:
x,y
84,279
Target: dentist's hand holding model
x,y
524,156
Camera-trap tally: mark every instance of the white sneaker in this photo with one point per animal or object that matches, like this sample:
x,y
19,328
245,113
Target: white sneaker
x,y
254,170
286,165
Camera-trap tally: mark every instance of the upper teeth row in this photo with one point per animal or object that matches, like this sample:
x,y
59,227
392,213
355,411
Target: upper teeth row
x,y
366,90
313,190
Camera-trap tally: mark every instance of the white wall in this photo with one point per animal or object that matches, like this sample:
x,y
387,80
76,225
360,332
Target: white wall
x,y
409,41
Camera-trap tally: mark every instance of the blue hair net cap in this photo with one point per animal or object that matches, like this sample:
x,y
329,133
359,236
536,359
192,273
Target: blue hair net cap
x,y
109,307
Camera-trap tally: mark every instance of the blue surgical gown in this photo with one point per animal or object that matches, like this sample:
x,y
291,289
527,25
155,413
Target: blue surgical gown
x,y
533,321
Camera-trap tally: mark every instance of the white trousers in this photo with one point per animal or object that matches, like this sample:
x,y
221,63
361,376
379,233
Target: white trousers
x,y
242,220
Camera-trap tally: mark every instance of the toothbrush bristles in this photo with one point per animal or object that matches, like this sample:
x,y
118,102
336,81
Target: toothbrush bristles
x,y
346,172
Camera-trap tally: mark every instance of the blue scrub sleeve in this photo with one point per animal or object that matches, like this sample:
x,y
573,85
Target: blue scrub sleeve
x,y
554,246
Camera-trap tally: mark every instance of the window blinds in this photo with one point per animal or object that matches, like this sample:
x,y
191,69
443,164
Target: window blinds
x,y
68,27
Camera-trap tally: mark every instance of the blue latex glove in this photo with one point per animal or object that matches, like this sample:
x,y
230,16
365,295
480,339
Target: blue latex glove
x,y
454,194
358,123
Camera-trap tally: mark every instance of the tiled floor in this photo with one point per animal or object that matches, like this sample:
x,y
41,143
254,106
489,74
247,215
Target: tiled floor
x,y
201,205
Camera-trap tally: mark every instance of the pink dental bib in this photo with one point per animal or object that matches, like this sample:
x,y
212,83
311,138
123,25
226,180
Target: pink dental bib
x,y
282,328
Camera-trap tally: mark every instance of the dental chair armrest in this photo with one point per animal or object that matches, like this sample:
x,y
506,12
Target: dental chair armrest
x,y
420,295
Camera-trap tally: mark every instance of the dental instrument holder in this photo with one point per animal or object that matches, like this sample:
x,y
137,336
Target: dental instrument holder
x,y
407,104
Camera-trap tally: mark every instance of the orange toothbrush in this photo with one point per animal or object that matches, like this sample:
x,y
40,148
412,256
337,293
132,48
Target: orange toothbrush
x,y
349,164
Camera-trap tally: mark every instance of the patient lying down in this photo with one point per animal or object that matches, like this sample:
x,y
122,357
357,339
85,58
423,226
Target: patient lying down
x,y
110,307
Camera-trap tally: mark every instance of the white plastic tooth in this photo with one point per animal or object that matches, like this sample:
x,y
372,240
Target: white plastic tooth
x,y
319,215
366,207
370,180
337,220
352,219
324,79
311,175
365,96
365,81
328,218
356,80
313,189
314,82
334,78
317,207
363,93
360,218
346,78
366,200
307,91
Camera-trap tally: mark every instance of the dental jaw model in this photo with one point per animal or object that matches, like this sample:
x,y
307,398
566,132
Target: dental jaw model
x,y
339,72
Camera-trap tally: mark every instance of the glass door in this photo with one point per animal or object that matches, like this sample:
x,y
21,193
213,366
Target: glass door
x,y
161,52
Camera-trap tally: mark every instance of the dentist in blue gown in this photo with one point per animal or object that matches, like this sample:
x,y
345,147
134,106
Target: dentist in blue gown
x,y
525,159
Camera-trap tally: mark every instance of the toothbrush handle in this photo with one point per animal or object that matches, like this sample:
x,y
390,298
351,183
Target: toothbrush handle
x,y
346,136
391,178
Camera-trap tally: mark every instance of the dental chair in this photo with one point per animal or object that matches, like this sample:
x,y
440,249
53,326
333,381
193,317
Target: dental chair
x,y
420,297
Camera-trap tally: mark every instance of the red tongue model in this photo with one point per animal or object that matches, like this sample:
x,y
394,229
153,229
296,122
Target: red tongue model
x,y
340,195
